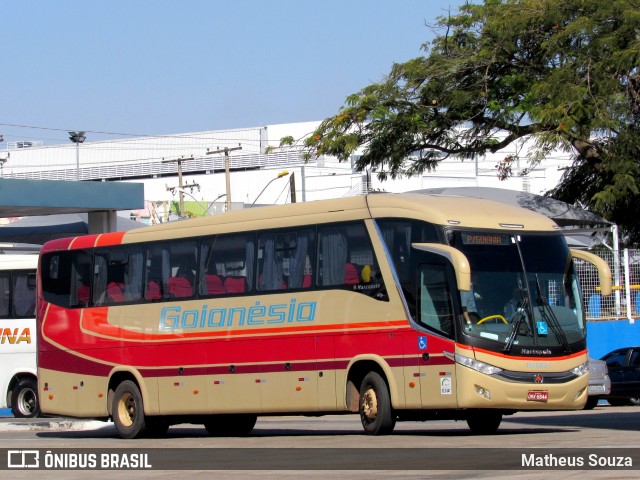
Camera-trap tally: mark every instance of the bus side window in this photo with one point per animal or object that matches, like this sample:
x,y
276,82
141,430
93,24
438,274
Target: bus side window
x,y
346,258
56,278
398,235
183,260
285,259
5,292
80,278
434,301
24,295
156,283
211,282
271,253
301,259
226,264
118,275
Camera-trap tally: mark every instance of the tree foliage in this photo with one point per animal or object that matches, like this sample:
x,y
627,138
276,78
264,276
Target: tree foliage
x,y
563,73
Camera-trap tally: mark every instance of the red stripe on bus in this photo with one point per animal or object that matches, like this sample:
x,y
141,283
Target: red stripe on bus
x,y
87,241
107,239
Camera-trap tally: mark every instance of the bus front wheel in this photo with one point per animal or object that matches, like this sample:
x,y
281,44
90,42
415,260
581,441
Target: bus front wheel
x,y
376,413
24,399
484,422
128,410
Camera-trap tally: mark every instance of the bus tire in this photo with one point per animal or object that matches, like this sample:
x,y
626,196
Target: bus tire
x,y
484,422
376,413
24,399
128,410
239,425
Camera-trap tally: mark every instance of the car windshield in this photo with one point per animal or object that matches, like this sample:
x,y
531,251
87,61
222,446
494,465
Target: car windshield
x,y
524,290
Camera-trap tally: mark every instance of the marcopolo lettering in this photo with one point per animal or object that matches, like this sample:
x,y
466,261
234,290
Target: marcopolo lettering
x,y
207,317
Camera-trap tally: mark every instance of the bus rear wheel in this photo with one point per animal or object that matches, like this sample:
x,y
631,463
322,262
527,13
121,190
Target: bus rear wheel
x,y
128,410
24,399
484,422
376,414
239,425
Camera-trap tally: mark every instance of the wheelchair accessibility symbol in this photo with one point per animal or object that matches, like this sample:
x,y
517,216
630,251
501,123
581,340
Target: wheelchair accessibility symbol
x,y
542,328
422,343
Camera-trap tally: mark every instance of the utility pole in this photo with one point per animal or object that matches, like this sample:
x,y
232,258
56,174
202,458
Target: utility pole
x,y
180,192
292,187
226,151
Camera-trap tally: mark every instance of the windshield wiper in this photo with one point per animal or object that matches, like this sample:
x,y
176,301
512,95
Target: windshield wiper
x,y
548,316
521,308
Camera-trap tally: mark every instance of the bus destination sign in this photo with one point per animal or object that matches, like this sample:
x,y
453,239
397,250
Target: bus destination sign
x,y
484,239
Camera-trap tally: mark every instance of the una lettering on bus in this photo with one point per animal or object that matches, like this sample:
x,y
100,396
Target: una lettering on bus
x,y
175,317
13,337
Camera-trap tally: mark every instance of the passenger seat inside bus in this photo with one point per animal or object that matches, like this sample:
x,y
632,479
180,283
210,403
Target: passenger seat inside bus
x,y
180,287
115,292
83,295
215,284
351,276
153,291
235,284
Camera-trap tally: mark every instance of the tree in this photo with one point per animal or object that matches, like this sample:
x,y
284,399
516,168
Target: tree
x,y
563,73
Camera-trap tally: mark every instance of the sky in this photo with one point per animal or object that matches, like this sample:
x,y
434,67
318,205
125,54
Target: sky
x,y
120,68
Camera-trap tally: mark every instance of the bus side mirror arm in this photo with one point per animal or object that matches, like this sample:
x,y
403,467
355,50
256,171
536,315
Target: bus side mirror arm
x,y
457,259
604,272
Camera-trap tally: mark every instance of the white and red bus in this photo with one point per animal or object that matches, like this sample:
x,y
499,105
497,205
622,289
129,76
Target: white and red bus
x,y
18,385
352,305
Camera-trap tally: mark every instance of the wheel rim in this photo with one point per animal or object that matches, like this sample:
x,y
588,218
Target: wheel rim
x,y
370,405
127,409
27,401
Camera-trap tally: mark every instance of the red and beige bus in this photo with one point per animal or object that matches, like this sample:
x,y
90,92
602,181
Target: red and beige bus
x,y
357,305
18,384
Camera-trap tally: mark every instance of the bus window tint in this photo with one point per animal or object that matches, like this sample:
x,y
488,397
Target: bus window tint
x,y
171,270
24,294
17,294
80,276
56,277
346,259
182,267
227,264
118,276
284,260
434,302
398,235
5,282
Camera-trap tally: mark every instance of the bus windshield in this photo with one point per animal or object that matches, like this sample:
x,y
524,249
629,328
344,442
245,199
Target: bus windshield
x,y
524,292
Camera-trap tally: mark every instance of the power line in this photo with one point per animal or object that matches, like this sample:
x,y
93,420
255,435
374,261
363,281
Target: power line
x,y
181,136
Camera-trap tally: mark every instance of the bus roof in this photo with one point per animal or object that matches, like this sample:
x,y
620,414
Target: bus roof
x,y
438,209
25,261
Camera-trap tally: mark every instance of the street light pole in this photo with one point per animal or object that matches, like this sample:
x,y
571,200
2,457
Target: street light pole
x,y
280,175
77,138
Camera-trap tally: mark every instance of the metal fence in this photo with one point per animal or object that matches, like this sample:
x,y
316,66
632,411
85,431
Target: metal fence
x,y
624,302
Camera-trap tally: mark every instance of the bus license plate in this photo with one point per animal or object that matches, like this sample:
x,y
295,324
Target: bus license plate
x,y
537,396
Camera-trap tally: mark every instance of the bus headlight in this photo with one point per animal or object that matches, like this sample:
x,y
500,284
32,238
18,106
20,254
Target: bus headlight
x,y
580,369
476,365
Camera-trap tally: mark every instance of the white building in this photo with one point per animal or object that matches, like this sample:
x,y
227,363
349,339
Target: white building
x,y
155,161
